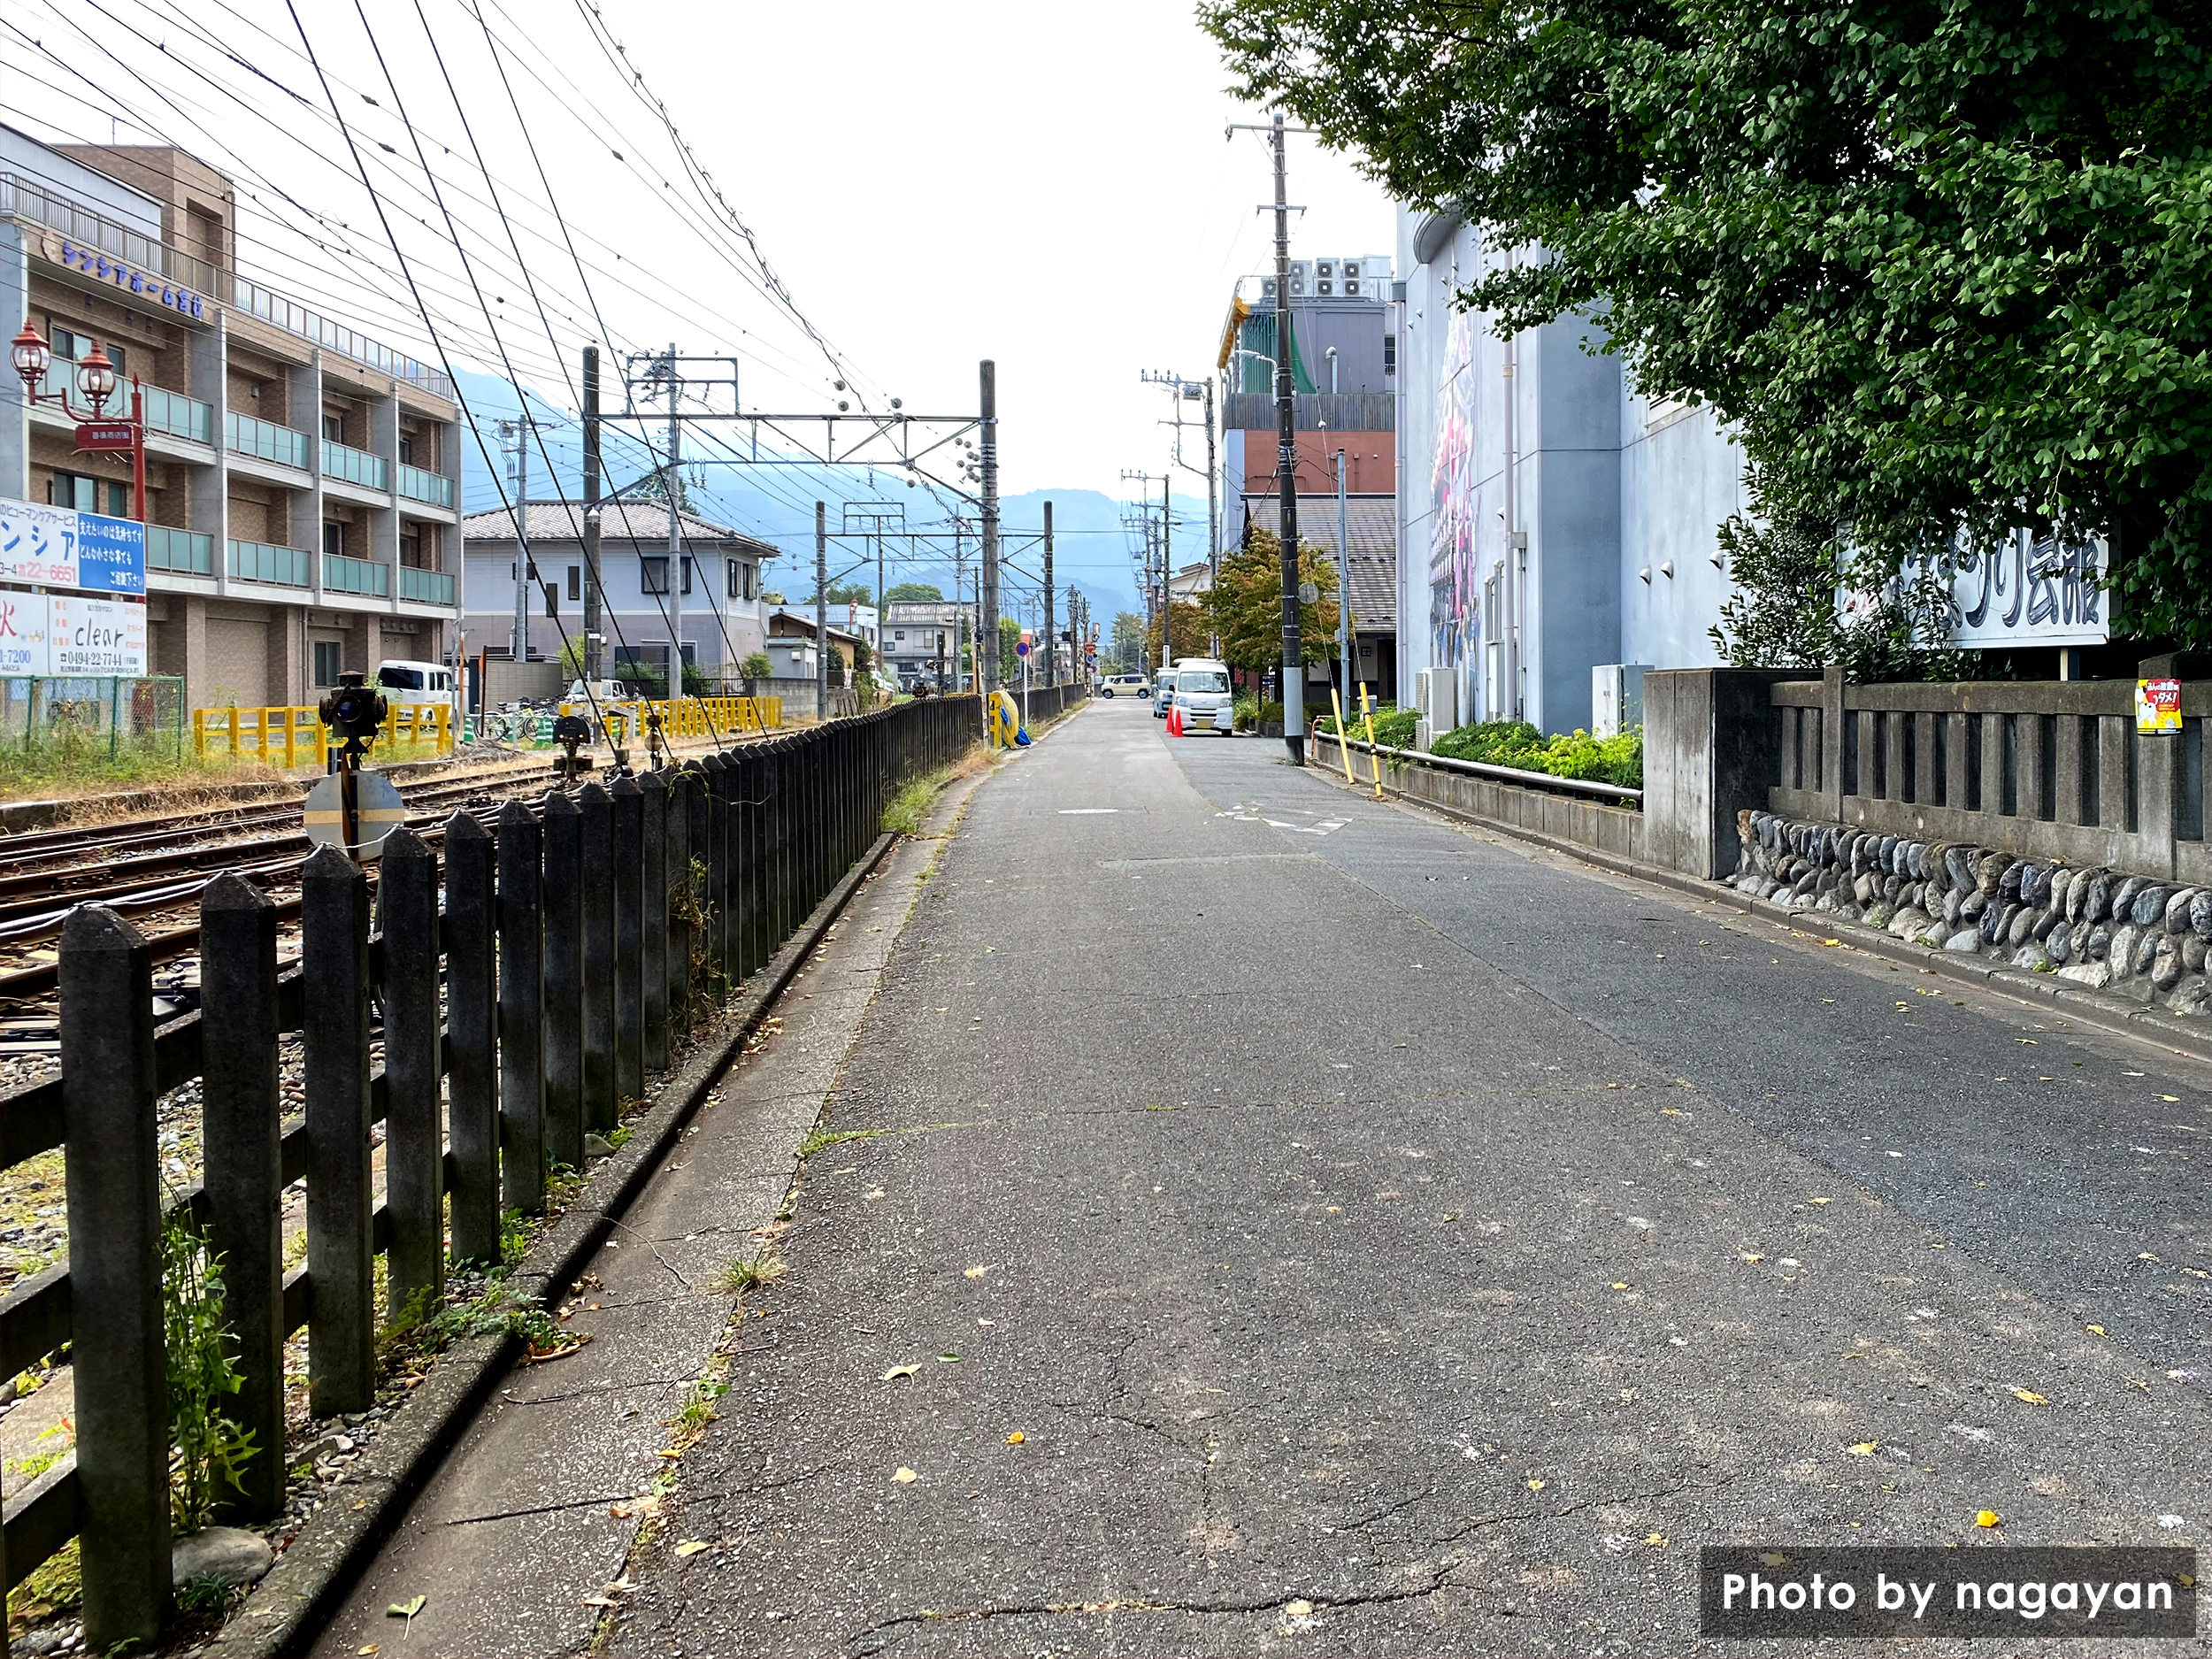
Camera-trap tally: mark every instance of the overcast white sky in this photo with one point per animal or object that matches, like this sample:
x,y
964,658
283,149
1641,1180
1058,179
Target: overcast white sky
x,y
1049,186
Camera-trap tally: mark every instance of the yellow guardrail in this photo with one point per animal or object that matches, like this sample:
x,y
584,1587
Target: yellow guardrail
x,y
689,717
292,736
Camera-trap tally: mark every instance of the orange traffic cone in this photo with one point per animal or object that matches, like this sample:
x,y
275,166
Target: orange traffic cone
x,y
1174,721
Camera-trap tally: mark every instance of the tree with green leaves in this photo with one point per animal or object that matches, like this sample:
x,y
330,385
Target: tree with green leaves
x,y
918,592
1245,604
1942,264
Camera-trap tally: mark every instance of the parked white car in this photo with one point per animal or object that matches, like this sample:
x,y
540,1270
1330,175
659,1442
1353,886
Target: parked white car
x,y
1122,685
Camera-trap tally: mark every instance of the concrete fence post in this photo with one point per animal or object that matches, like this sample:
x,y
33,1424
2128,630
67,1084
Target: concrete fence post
x,y
562,826
595,815
521,1011
718,776
654,929
340,1266
472,969
115,1206
241,1113
414,1074
629,940
1711,748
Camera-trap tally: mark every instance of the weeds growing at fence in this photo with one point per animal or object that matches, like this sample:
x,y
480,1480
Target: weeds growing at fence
x,y
909,809
1393,725
208,1449
75,765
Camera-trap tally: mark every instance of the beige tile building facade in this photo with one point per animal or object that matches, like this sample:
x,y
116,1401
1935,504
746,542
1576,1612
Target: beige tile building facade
x,y
303,481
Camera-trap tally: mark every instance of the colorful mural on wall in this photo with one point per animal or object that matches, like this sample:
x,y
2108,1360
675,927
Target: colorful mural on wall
x,y
1455,583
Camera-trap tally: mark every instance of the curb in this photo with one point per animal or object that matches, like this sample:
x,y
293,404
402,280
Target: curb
x,y
297,1595
2083,1007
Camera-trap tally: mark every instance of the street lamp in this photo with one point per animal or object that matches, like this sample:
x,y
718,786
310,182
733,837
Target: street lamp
x,y
97,432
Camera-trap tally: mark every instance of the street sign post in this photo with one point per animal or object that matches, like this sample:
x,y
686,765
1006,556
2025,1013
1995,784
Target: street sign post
x,y
354,811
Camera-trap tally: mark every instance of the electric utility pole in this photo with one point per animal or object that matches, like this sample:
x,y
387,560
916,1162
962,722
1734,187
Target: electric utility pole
x,y
821,611
1343,599
1167,572
1052,641
987,623
1186,391
1286,469
592,589
675,534
518,640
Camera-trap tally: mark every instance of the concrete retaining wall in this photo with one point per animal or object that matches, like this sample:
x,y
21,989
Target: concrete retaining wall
x,y
1619,831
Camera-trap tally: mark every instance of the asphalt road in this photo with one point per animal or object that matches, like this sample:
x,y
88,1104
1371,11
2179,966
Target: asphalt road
x,y
1285,1222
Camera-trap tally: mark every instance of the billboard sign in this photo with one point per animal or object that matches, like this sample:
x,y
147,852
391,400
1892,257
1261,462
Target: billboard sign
x,y
2029,590
59,547
94,636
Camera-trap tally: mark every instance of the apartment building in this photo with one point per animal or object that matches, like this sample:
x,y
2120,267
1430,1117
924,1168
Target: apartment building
x,y
302,480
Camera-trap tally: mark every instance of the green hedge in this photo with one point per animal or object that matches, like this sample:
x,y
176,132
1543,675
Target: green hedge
x,y
1393,725
1516,743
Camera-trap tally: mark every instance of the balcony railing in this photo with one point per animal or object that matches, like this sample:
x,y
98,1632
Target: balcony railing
x,y
186,552
425,587
354,466
293,318
258,562
178,415
265,439
28,199
418,485
343,575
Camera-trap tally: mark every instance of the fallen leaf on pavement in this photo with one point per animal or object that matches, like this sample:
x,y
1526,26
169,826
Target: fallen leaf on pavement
x,y
2100,1330
1754,1259
1658,1540
1016,1437
1536,1485
1987,1517
620,1511
1823,1201
905,1477
405,1609
369,1648
975,1272
899,1371
2028,1396
1864,1448
948,1359
692,1547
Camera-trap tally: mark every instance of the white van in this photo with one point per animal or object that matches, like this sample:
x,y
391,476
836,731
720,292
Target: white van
x,y
601,691
1202,695
414,685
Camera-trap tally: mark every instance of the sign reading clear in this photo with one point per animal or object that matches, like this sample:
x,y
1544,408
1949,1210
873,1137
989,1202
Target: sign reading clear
x,y
59,547
71,634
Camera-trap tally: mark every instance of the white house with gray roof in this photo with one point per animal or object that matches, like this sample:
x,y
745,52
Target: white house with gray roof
x,y
712,603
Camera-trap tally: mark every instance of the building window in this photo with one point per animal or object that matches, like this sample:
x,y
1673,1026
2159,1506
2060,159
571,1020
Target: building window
x,y
653,572
552,600
334,538
752,581
734,573
335,428
71,347
75,490
410,549
575,583
898,634
327,662
1390,354
686,572
406,449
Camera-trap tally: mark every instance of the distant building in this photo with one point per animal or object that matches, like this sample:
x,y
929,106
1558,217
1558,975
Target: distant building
x,y
791,646
715,600
301,477
922,641
1371,577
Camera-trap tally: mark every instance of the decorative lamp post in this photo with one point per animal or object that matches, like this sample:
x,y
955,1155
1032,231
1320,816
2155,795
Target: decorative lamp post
x,y
97,432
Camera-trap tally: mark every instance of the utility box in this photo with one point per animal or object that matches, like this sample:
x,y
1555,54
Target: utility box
x,y
1617,698
1436,703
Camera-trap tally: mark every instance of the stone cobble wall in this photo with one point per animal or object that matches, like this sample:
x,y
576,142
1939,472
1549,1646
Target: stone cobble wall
x,y
2102,928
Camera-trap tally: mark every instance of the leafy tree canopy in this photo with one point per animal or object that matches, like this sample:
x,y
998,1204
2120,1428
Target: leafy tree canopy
x,y
917,591
1943,263
1245,604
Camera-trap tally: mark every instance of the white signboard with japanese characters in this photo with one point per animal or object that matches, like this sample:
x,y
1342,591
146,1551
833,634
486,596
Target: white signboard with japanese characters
x,y
23,622
59,547
2029,590
94,636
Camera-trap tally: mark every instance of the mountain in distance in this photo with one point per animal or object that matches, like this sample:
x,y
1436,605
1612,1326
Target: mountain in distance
x,y
1091,544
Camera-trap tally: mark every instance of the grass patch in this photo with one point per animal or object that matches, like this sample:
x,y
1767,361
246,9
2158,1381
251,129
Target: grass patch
x,y
909,809
822,1139
71,766
745,1273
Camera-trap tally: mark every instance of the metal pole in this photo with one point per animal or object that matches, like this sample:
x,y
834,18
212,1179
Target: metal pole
x,y
988,580
592,590
675,542
1343,598
1286,470
1213,510
1167,571
521,431
1052,640
821,611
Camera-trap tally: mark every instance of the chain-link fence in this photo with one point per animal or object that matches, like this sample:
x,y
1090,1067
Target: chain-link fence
x,y
109,716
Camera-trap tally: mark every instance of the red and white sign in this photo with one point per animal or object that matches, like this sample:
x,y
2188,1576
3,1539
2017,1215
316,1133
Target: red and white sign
x,y
106,437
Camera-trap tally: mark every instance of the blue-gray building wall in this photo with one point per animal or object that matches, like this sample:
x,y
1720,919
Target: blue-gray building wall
x,y
1606,489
